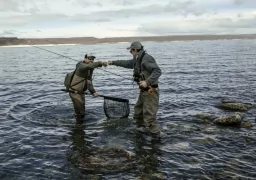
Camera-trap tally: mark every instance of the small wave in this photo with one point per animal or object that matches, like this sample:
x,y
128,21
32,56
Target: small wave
x,y
59,115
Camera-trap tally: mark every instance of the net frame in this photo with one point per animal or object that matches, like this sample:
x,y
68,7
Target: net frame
x,y
116,107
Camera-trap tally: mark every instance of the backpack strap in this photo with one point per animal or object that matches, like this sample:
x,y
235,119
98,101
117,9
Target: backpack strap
x,y
72,78
76,83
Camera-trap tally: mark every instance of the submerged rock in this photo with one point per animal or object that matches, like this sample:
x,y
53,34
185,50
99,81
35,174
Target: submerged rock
x,y
206,117
233,106
106,160
205,141
230,120
247,125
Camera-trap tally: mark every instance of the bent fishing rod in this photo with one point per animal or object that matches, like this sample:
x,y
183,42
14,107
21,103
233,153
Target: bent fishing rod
x,y
76,60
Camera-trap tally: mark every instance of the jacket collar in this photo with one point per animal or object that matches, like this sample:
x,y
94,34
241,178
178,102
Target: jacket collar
x,y
140,54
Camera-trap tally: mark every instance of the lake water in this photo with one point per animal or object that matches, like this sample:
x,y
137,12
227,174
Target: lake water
x,y
38,131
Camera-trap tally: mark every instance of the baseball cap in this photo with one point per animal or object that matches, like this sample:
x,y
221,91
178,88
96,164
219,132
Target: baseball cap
x,y
135,45
89,57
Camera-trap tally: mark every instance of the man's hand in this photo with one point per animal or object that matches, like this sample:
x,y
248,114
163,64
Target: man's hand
x,y
104,64
143,84
95,94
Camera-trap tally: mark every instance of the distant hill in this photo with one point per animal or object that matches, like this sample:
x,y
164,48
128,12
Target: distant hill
x,y
7,41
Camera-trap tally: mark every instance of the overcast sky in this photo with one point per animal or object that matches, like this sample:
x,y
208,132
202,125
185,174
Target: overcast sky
x,y
115,18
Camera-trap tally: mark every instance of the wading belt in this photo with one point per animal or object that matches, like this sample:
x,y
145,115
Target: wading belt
x,y
74,91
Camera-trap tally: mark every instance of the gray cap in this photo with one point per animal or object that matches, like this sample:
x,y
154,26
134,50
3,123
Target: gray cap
x,y
135,45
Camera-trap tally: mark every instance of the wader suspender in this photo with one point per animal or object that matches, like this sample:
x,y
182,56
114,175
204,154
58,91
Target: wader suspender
x,y
149,89
140,60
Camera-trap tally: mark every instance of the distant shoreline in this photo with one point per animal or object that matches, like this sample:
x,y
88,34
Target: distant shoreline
x,y
14,41
39,45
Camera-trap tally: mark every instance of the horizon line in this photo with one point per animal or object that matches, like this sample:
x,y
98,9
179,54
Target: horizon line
x,y
177,35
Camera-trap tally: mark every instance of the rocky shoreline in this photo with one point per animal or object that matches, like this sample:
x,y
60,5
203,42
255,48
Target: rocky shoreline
x,y
11,41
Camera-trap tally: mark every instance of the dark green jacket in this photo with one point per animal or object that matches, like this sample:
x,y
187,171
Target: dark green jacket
x,y
82,79
149,67
86,70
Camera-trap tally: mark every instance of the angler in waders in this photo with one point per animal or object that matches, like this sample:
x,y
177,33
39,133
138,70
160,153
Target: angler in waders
x,y
146,74
78,81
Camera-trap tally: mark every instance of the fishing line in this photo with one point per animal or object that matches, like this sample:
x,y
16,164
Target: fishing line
x,y
114,107
77,61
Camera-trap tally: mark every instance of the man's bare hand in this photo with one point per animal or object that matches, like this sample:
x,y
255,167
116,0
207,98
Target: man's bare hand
x,y
95,94
143,84
104,64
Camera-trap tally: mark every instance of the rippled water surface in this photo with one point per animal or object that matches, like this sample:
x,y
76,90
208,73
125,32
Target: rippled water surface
x,y
39,134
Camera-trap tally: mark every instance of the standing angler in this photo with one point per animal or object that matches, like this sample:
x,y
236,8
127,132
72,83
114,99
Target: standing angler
x,y
146,73
79,81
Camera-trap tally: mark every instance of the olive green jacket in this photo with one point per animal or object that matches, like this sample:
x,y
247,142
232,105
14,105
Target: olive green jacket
x,y
83,76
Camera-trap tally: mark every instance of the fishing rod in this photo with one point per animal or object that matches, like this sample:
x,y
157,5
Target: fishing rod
x,y
77,61
53,52
150,89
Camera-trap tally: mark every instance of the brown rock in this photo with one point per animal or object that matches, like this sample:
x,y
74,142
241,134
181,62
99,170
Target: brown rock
x,y
231,120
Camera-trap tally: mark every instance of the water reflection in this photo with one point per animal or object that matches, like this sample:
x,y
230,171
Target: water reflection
x,y
144,161
78,138
79,151
148,153
90,158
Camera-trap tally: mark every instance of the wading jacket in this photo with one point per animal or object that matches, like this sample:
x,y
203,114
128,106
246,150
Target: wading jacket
x,y
148,67
82,79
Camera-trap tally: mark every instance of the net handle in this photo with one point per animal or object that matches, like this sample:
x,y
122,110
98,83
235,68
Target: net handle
x,y
114,98
100,95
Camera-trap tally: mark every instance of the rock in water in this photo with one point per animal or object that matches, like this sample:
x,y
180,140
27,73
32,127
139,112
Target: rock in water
x,y
104,160
233,106
247,125
231,120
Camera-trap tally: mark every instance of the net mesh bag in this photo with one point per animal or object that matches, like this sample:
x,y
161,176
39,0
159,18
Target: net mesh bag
x,y
116,107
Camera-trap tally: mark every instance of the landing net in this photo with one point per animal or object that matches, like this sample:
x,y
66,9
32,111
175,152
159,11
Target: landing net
x,y
116,107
